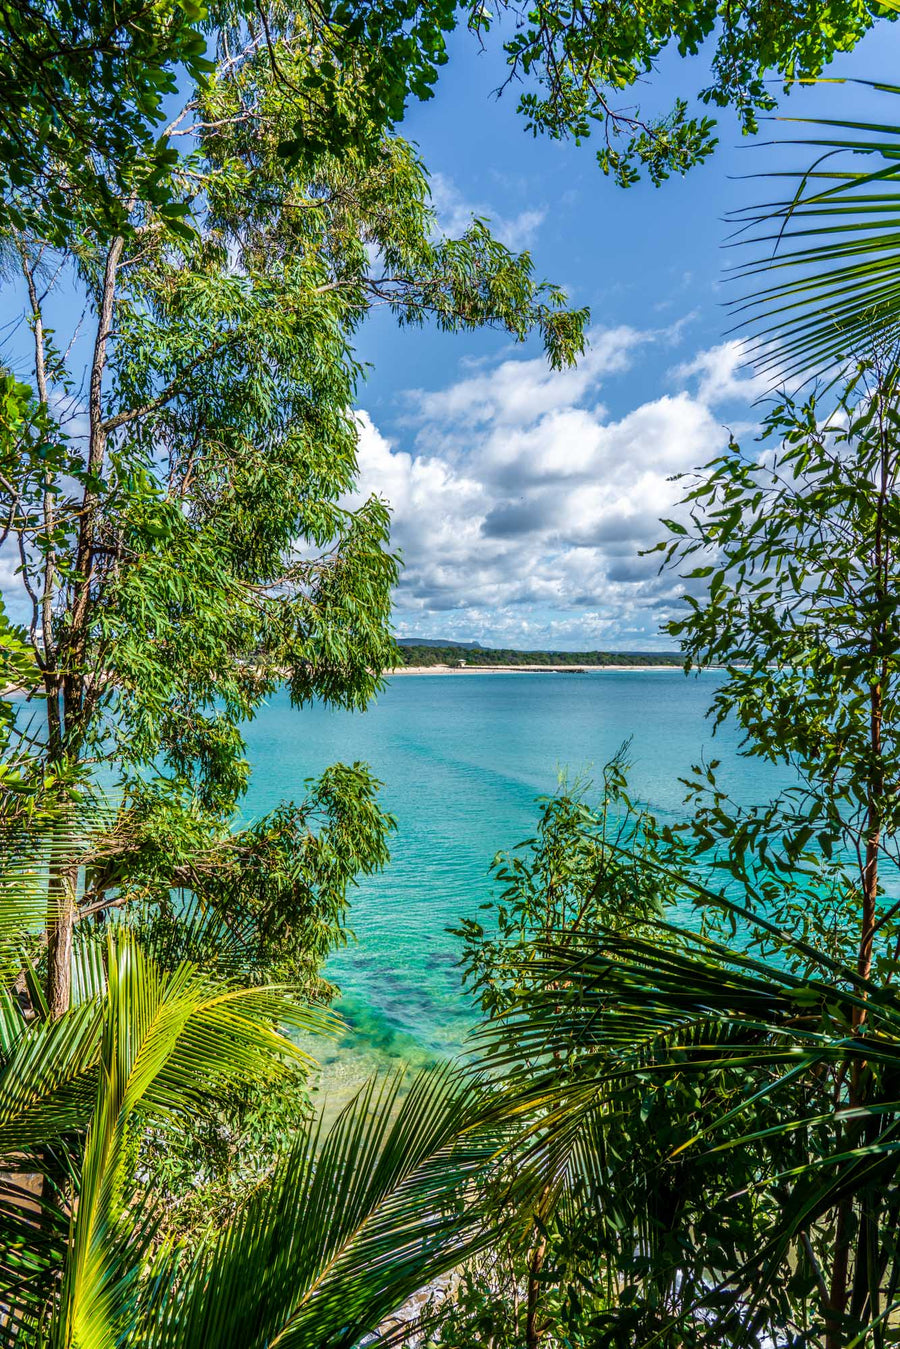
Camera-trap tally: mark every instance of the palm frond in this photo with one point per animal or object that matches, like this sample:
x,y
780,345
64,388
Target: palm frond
x,y
34,856
48,1079
144,1043
828,251
346,1230
169,1040
611,1021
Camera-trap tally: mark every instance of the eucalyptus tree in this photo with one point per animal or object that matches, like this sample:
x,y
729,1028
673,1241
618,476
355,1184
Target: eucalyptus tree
x,y
85,91
183,546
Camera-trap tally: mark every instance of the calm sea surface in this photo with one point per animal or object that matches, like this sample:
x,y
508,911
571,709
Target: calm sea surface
x,y
462,758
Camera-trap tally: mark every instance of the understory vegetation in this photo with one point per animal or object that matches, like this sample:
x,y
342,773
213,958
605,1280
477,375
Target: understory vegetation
x,y
679,1121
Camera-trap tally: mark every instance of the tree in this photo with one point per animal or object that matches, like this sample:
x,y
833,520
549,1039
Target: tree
x,y
696,1083
759,1069
190,550
577,60
85,93
799,549
619,1039
552,1274
716,1120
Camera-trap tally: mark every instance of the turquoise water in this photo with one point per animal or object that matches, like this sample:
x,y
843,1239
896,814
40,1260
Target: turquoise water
x,y
462,758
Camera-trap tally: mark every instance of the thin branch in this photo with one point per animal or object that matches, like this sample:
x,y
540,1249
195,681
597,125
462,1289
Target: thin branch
x,y
169,392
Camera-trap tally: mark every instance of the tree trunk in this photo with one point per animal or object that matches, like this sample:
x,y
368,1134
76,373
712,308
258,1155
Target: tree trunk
x,y
840,1270
60,929
843,1243
532,1329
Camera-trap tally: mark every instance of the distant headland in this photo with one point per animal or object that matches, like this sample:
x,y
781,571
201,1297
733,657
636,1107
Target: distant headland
x,y
433,656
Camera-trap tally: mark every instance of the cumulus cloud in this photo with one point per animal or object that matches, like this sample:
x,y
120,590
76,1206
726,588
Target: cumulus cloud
x,y
521,507
517,392
455,214
722,374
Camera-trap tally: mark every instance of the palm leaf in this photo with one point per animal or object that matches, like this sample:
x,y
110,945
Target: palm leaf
x,y
169,1040
829,252
606,1018
48,1080
343,1233
154,1044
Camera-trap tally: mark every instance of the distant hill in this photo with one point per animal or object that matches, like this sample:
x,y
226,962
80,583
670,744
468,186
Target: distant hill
x,y
432,652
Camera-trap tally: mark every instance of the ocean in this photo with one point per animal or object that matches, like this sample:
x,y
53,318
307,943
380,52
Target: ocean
x,y
462,759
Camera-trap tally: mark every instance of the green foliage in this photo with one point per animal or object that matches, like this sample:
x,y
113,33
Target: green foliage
x,y
702,1080
194,550
337,1233
687,1136
342,1233
715,1123
583,869
565,1271
86,89
205,1170
144,1043
82,95
414,654
706,1149
797,547
578,61
273,895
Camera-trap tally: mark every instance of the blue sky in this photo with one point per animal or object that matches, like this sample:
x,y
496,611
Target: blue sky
x,y
521,499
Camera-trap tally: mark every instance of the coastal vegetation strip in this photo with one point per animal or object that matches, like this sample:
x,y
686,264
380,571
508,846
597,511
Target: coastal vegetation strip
x,y
471,657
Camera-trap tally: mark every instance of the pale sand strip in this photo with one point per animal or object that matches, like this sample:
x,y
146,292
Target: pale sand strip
x,y
524,669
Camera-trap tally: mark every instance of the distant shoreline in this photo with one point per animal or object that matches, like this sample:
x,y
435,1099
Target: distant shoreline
x,y
15,690
523,669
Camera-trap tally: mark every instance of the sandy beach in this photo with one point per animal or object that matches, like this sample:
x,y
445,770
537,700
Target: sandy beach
x,y
523,669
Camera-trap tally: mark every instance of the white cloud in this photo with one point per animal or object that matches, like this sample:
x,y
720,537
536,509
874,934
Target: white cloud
x,y
518,391
455,214
521,507
723,375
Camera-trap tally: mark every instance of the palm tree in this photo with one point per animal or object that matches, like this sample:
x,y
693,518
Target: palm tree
x,y
348,1225
694,1086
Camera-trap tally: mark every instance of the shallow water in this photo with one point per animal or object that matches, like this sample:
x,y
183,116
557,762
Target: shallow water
x,y
462,758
